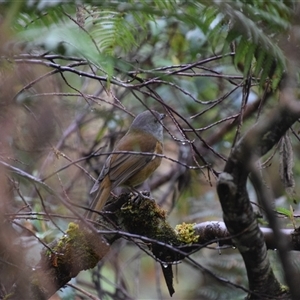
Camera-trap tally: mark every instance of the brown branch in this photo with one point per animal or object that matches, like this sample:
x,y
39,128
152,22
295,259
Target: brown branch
x,y
216,231
77,250
237,210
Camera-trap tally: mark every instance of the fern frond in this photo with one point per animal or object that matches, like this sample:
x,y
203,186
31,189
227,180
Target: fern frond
x,y
266,69
276,78
260,58
241,50
110,29
249,58
248,31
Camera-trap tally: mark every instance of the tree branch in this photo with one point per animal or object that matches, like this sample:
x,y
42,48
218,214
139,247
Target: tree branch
x,y
237,210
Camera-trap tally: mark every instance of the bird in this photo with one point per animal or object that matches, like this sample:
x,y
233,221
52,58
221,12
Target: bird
x,y
122,168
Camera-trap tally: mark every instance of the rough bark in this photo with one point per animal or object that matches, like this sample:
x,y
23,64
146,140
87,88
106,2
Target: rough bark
x,y
237,210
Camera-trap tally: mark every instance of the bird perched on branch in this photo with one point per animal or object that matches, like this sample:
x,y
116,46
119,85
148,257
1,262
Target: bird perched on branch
x,y
125,168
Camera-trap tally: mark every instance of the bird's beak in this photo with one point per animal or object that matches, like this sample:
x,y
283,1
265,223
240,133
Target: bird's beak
x,y
161,116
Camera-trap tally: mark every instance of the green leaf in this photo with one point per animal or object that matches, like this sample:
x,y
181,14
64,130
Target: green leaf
x,y
277,77
260,58
249,58
284,211
241,50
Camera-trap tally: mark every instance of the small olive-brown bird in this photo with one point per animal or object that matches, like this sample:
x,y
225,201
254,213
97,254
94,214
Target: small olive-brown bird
x,y
145,135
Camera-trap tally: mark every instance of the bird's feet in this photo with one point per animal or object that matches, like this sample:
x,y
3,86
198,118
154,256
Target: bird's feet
x,y
141,195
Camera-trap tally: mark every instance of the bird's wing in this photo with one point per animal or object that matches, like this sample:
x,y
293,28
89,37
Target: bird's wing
x,y
121,166
125,166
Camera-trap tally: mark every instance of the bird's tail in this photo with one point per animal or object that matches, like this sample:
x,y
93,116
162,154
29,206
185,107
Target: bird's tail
x,y
98,203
